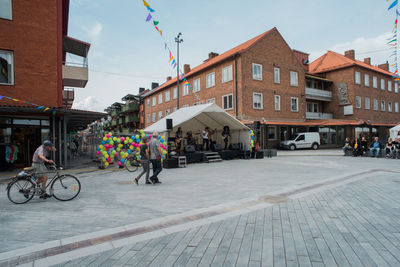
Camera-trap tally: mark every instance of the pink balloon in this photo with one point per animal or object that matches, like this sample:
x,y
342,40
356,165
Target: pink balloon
x,y
116,155
133,143
108,136
122,139
150,135
98,153
119,163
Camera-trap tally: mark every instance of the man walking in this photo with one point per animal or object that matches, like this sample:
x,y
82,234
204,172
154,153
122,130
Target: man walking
x,y
38,160
155,158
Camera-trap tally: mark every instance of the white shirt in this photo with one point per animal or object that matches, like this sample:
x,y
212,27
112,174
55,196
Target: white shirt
x,y
205,134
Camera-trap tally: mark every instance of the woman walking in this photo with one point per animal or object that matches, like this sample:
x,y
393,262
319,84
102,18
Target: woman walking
x,y
144,155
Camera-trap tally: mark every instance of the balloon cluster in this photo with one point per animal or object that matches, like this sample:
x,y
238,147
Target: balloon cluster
x,y
114,148
251,139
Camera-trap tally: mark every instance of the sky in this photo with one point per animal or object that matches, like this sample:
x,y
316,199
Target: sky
x,y
127,52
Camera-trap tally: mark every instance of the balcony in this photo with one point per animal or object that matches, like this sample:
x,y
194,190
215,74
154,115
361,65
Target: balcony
x,y
132,118
130,107
121,120
115,112
68,97
126,131
75,76
318,94
318,116
114,123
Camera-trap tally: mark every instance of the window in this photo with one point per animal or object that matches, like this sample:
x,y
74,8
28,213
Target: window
x,y
160,115
185,90
211,100
175,93
383,105
382,84
167,96
375,104
167,112
358,78
160,98
294,105
277,75
148,102
257,101
6,66
293,79
389,106
358,102
6,9
396,87
366,79
389,86
154,117
257,72
210,80
367,103
271,132
277,102
227,102
396,107
154,101
227,74
196,85
312,107
301,137
148,118
374,82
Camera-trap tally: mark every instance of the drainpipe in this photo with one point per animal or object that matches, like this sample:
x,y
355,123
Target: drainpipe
x,y
236,90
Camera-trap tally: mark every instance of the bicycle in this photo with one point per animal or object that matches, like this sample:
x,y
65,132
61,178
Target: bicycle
x,y
132,163
23,187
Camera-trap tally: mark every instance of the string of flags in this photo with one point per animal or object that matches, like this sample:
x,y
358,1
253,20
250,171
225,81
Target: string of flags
x,y
171,60
25,102
392,41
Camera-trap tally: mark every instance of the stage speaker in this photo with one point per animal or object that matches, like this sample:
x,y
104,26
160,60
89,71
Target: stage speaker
x,y
169,124
217,148
171,163
257,125
234,146
259,155
189,149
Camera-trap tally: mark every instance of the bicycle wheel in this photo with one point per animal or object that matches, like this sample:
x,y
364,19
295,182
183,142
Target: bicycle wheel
x,y
20,191
65,187
131,164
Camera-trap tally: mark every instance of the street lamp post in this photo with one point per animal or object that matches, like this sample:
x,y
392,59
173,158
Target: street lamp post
x,y
178,40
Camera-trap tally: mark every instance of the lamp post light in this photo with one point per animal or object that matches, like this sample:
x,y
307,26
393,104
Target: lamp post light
x,y
178,40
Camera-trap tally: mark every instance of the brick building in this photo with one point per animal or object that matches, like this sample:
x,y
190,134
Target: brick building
x,y
34,43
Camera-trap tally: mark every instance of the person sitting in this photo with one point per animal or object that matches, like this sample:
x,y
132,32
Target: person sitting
x,y
364,146
375,147
356,148
347,146
389,148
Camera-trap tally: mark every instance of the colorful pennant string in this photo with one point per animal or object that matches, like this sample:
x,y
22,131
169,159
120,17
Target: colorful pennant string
x,y
392,41
23,101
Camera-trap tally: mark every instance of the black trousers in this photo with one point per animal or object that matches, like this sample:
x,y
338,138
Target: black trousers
x,y
226,143
157,168
207,143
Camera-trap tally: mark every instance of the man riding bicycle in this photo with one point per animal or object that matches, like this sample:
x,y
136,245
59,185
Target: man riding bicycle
x,y
38,160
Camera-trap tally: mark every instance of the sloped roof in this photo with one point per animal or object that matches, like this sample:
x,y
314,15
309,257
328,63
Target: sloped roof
x,y
332,61
236,50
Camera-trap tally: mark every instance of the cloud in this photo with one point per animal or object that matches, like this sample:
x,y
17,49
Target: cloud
x,y
94,32
89,103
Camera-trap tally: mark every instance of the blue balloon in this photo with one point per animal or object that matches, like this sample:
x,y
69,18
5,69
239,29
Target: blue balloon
x,y
129,151
122,160
132,137
147,136
98,149
137,140
108,141
159,137
103,143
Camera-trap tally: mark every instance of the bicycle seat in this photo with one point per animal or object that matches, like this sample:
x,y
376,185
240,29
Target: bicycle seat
x,y
29,169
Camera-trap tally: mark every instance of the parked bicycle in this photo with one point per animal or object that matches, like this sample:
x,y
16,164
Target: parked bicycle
x,y
132,162
23,187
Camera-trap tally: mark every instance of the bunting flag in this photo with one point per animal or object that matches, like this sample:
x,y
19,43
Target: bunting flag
x,y
150,9
160,32
393,5
165,45
148,17
392,41
155,22
25,102
145,4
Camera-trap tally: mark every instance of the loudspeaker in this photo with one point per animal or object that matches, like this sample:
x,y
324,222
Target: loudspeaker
x,y
259,155
217,148
234,146
189,149
171,163
257,125
169,124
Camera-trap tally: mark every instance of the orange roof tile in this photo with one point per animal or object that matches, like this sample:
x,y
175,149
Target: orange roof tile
x,y
332,60
236,50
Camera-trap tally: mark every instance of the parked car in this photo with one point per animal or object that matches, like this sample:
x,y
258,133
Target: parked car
x,y
302,140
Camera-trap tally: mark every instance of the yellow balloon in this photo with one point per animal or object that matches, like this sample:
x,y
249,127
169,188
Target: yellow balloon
x,y
110,133
131,147
106,164
104,160
104,138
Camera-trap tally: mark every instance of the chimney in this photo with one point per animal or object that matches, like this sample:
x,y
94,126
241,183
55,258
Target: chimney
x,y
154,85
367,60
384,66
350,54
212,55
141,90
186,68
169,78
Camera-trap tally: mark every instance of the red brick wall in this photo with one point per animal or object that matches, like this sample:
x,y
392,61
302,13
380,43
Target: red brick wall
x,y
32,36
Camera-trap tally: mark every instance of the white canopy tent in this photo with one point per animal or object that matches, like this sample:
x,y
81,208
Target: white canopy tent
x,y
394,131
196,118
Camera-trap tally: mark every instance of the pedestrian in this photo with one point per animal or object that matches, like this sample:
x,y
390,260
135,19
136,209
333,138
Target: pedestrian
x,y
145,160
155,158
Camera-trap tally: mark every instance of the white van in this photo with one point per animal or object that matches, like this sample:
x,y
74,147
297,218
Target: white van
x,y
302,140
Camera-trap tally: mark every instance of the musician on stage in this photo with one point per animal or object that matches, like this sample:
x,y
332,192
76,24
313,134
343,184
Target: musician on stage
x,y
178,139
226,133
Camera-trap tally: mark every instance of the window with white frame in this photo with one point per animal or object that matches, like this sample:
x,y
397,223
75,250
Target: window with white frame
x,y
185,90
277,102
277,75
6,9
271,133
383,105
154,116
148,118
160,115
196,85
312,107
357,77
257,71
148,102
367,103
396,87
210,80
389,86
175,93
396,107
257,101
167,112
389,106
167,96
294,104
227,102
366,79
211,100
382,84
154,101
294,78
160,98
6,67
374,82
227,74
375,105
358,101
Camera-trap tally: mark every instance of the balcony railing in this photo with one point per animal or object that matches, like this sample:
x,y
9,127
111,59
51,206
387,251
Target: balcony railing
x,y
132,118
318,116
68,97
121,120
129,107
75,75
114,123
115,112
318,94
